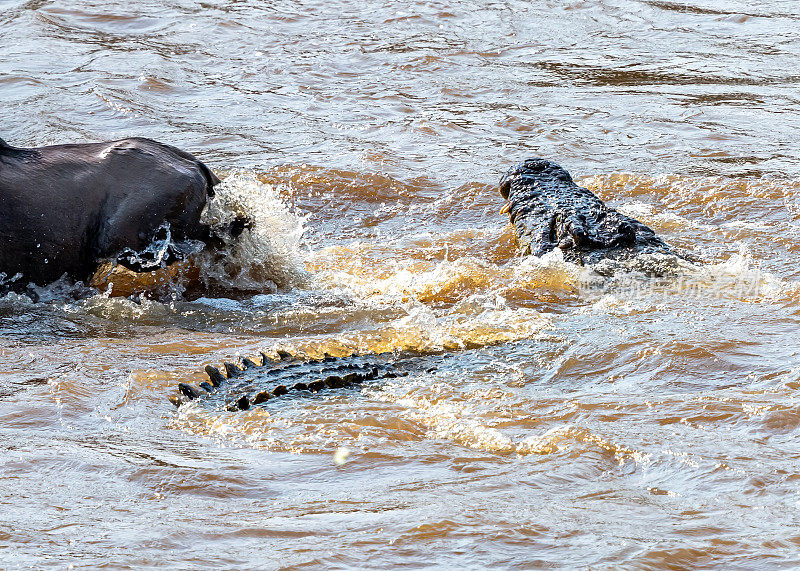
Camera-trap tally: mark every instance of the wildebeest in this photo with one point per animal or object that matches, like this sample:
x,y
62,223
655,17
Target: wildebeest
x,y
64,209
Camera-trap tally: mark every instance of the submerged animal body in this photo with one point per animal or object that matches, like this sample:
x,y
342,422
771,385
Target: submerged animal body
x,y
249,383
549,211
66,208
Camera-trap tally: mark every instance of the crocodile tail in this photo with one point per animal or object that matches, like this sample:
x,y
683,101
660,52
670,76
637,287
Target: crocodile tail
x,y
284,375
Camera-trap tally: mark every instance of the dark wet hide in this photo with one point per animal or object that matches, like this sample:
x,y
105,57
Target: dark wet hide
x,y
550,211
248,383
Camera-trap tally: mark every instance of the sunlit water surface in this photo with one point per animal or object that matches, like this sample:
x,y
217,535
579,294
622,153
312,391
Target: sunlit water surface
x,y
570,420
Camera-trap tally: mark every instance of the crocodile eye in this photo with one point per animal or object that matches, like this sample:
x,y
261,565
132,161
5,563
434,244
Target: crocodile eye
x,y
505,186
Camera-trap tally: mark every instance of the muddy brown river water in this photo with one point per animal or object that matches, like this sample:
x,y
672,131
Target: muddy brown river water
x,y
571,420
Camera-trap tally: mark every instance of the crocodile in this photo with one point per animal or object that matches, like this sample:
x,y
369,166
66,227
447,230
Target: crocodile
x,y
248,383
548,211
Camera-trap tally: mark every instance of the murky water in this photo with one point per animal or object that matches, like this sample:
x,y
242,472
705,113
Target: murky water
x,y
571,420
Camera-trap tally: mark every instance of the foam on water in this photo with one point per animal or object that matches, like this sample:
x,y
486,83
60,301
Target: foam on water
x,y
268,256
737,279
400,276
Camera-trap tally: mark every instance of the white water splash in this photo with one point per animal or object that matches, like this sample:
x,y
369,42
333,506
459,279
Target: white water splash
x,y
267,256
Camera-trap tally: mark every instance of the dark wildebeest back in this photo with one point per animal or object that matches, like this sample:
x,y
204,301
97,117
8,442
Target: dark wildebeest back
x,y
65,208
